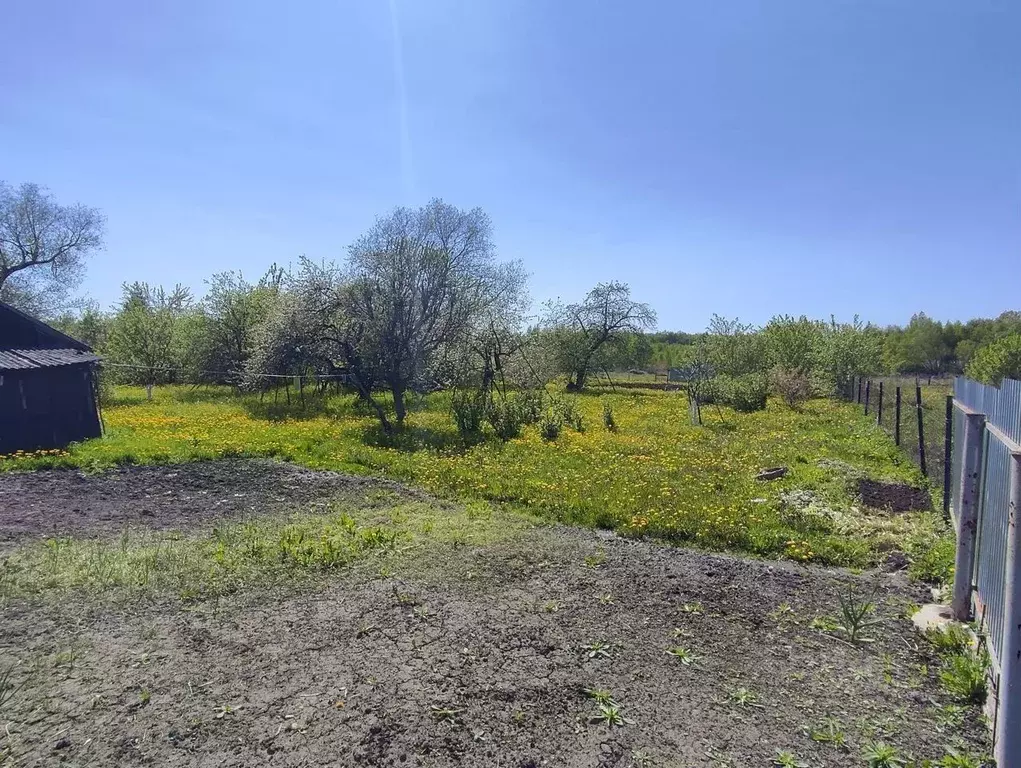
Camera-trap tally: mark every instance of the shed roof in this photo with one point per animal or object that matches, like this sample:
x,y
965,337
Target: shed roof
x,y
23,331
18,359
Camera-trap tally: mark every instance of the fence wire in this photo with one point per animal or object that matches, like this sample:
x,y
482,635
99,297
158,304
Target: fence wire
x,y
881,394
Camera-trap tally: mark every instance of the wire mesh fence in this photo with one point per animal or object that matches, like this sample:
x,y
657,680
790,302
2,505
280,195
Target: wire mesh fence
x,y
914,412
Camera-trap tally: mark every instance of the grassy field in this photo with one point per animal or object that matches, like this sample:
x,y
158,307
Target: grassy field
x,y
656,475
253,611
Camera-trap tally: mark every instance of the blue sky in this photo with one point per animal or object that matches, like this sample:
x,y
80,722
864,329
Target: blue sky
x,y
746,158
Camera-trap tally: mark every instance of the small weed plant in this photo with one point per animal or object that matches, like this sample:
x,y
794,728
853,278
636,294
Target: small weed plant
x,y
599,695
955,758
8,688
950,640
828,731
598,650
963,676
785,759
610,714
857,614
879,754
444,714
745,697
596,559
683,655
825,624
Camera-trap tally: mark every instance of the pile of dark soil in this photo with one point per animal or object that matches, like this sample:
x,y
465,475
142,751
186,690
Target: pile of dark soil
x,y
894,497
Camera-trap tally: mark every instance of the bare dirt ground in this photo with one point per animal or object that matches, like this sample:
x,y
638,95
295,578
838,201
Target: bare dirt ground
x,y
462,656
67,502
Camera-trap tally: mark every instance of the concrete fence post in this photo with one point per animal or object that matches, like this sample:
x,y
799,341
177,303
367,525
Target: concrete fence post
x,y
967,515
1008,721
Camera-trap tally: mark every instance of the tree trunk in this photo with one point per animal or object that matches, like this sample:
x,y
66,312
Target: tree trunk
x,y
399,410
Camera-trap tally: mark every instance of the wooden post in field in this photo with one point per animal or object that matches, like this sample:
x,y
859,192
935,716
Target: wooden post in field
x,y
859,390
896,417
868,394
879,409
948,443
921,430
967,515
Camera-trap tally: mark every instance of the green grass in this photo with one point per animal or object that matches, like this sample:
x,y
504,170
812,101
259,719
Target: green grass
x,y
261,553
656,475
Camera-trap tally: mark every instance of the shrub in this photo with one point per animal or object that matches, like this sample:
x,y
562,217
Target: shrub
x,y
792,384
570,415
506,419
717,390
549,427
748,393
468,407
530,405
608,421
997,361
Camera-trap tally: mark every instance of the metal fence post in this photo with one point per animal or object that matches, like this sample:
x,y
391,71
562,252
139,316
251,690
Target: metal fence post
x,y
948,447
967,515
868,392
896,418
921,430
879,409
1008,721
859,390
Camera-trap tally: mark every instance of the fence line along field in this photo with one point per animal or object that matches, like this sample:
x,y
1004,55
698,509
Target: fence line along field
x,y
652,474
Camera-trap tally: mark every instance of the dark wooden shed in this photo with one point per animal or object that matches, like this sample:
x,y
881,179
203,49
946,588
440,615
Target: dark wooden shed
x,y
47,385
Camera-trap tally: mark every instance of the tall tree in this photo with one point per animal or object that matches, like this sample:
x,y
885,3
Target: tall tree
x,y
43,247
224,334
734,348
416,282
580,332
922,347
997,361
791,343
847,350
144,333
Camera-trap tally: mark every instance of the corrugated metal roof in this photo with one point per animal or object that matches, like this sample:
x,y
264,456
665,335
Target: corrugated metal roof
x,y
17,359
22,331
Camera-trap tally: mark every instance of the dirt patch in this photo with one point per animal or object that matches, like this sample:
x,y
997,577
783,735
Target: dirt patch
x,y
470,656
895,497
62,502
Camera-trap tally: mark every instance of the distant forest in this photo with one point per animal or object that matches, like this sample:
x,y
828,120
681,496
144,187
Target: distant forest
x,y
924,347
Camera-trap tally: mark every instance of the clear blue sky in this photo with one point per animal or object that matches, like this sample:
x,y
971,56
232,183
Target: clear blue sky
x,y
747,158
